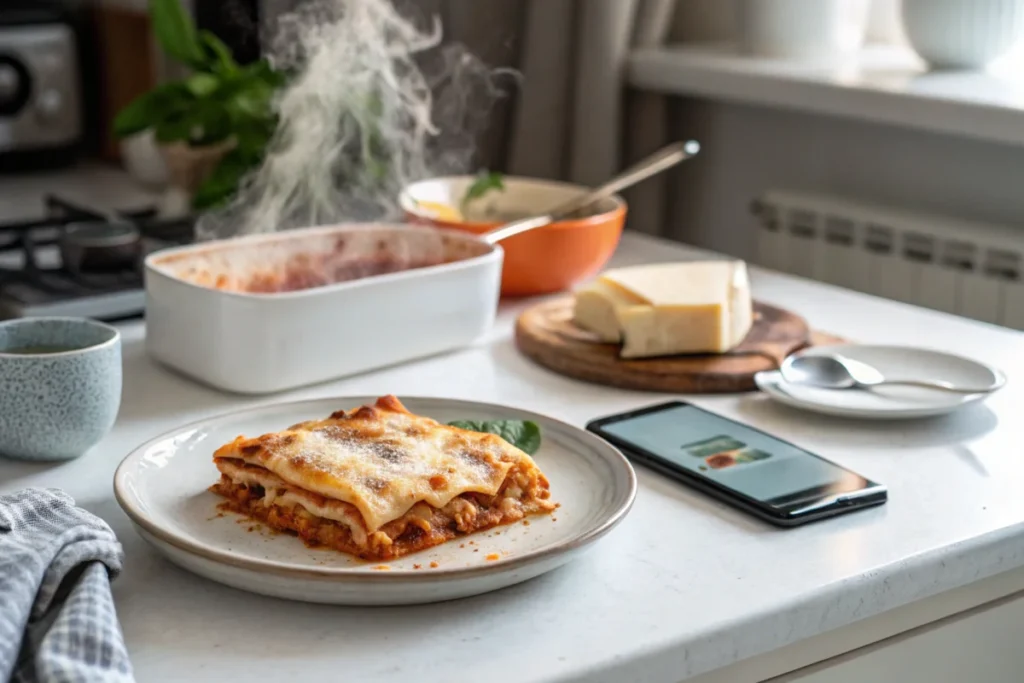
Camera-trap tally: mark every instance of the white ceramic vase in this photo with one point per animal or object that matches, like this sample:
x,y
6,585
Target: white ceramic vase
x,y
963,34
807,30
885,26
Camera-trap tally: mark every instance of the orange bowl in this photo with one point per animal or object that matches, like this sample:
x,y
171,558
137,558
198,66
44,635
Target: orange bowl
x,y
549,259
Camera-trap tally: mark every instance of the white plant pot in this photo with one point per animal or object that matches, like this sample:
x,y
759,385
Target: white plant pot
x,y
801,29
963,34
141,157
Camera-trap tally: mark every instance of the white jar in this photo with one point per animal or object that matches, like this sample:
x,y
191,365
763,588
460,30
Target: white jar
x,y
965,34
801,29
885,26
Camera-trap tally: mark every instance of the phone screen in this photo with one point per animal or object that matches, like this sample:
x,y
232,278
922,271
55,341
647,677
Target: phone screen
x,y
749,462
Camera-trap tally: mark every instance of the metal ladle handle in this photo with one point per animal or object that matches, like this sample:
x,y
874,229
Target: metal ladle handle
x,y
663,159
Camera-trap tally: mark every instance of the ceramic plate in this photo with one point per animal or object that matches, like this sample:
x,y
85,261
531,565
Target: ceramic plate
x,y
888,403
162,486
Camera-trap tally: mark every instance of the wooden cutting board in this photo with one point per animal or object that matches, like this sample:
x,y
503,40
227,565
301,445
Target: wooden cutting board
x,y
545,333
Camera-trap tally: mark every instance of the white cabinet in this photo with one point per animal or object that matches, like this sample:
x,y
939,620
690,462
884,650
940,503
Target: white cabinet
x,y
979,646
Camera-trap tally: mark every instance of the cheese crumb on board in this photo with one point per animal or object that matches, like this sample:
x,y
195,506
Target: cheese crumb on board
x,y
669,308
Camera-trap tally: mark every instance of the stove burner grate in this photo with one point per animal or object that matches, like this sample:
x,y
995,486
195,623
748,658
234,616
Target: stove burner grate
x,y
33,281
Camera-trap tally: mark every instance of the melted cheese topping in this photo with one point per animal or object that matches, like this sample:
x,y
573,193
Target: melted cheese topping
x,y
382,460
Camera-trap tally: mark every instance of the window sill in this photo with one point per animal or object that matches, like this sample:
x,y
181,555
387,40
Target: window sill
x,y
883,84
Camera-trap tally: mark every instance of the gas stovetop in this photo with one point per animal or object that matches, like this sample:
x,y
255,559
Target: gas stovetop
x,y
79,261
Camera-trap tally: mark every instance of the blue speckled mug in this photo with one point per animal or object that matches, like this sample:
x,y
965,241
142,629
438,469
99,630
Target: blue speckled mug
x,y
60,386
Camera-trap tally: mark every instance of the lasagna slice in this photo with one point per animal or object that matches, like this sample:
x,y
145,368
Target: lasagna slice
x,y
379,482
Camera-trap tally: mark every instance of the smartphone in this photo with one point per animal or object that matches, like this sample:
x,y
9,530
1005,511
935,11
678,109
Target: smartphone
x,y
744,467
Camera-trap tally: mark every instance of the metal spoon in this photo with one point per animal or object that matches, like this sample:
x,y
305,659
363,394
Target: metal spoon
x,y
661,160
839,372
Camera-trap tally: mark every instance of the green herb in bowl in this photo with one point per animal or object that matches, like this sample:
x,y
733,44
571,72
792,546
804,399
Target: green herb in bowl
x,y
486,181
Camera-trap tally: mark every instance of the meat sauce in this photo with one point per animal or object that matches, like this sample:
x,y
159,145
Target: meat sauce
x,y
302,274
344,259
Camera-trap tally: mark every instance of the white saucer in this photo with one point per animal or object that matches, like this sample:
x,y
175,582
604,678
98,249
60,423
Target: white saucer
x,y
887,403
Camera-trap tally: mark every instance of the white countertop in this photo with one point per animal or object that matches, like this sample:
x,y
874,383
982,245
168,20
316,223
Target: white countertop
x,y
89,184
684,585
881,83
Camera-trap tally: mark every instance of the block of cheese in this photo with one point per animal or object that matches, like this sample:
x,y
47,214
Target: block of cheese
x,y
597,305
669,308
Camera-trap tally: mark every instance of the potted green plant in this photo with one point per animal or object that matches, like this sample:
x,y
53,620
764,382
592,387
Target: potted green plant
x,y
213,127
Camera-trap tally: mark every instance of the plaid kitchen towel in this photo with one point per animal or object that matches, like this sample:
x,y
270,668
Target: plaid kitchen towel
x,y
57,619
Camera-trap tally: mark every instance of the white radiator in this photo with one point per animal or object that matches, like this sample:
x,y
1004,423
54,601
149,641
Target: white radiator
x,y
971,269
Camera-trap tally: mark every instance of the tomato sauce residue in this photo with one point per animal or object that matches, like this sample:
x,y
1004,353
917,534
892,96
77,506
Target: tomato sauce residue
x,y
433,565
307,261
334,261
492,557
417,566
302,272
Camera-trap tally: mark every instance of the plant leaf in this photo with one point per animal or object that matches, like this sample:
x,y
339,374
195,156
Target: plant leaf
x,y
263,71
176,32
250,100
174,129
484,183
223,181
211,123
202,84
252,137
218,55
141,114
249,93
523,434
149,109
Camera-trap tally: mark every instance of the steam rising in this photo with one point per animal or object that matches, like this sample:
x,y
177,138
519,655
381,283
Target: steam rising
x,y
375,104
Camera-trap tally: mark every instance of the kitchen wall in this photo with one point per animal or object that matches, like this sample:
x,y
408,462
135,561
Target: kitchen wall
x,y
746,150
703,20
750,149
489,30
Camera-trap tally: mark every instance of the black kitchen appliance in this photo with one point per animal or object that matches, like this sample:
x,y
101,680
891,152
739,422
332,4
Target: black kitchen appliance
x,y
41,108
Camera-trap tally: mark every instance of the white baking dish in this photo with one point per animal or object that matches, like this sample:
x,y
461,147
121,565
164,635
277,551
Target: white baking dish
x,y
204,320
